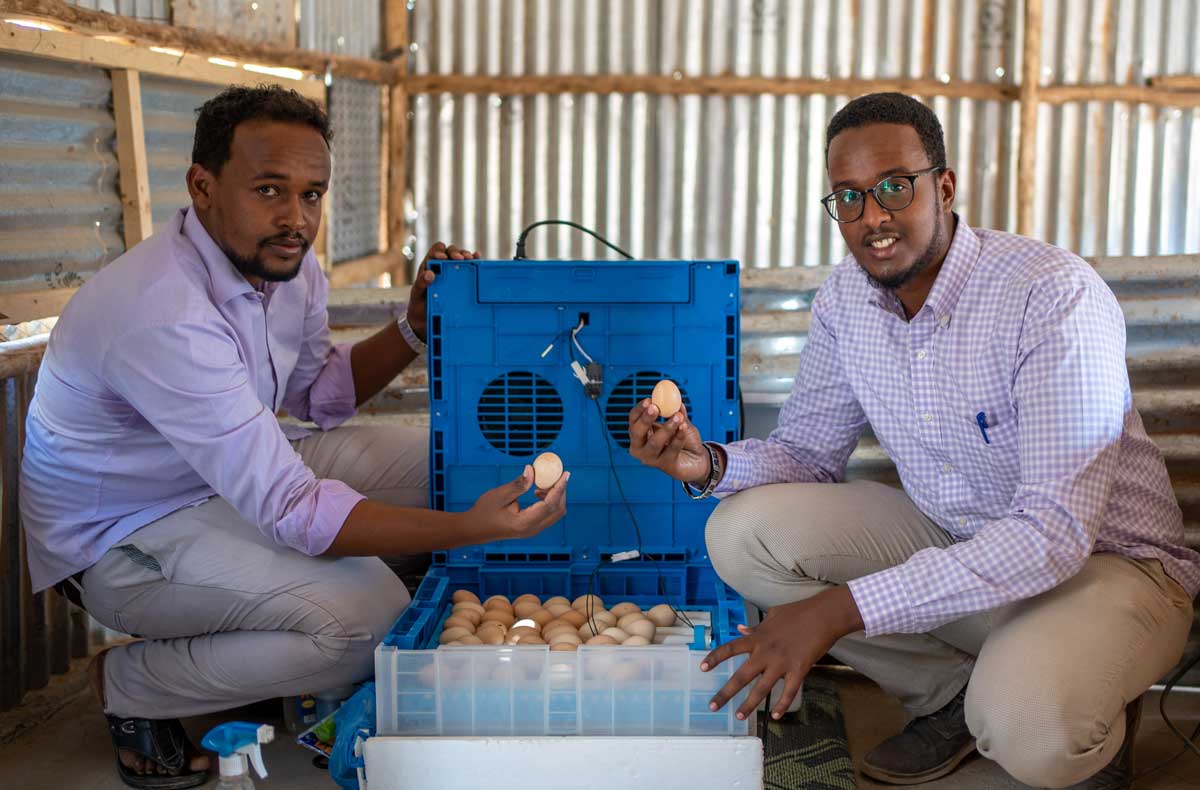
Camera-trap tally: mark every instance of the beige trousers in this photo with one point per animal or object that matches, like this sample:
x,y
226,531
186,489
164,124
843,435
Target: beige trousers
x,y
1047,678
229,617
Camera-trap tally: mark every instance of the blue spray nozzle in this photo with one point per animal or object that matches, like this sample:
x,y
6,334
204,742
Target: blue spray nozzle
x,y
233,739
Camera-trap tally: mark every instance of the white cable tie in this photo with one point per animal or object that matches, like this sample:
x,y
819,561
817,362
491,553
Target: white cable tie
x,y
579,372
621,556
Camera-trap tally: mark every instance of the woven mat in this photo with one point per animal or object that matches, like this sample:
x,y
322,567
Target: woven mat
x,y
807,750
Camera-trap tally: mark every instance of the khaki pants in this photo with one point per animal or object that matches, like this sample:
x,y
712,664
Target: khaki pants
x,y
1047,678
229,617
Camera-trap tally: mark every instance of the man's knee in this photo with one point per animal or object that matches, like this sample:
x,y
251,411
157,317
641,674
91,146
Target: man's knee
x,y
367,602
1038,736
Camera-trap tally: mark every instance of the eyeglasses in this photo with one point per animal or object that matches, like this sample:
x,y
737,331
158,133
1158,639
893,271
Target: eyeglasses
x,y
892,194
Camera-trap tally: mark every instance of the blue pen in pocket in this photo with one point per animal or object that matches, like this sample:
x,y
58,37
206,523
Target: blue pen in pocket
x,y
981,418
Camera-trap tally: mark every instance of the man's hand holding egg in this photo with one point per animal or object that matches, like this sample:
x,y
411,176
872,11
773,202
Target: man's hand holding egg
x,y
674,446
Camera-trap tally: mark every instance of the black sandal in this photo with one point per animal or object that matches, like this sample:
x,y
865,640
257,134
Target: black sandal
x,y
163,742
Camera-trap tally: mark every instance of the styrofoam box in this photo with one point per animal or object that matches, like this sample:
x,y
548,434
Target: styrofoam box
x,y
597,690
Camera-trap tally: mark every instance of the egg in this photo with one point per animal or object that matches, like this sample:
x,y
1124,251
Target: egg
x,y
469,609
547,468
541,617
586,631
615,633
574,617
604,618
585,603
496,602
643,628
558,609
666,397
470,639
557,625
636,641
464,595
458,621
557,599
428,675
526,608
602,639
530,639
451,634
527,597
502,616
562,646
622,609
490,636
563,636
629,618
662,615
515,634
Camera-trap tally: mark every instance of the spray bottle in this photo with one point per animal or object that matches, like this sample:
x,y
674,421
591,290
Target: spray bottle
x,y
235,741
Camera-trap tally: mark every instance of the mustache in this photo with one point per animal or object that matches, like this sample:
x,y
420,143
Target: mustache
x,y
287,238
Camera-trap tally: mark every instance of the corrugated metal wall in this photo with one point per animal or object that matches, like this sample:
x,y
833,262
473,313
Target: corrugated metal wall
x,y
169,113
265,21
348,27
60,210
356,111
741,176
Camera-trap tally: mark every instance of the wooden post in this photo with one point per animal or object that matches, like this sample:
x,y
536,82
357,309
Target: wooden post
x,y
131,156
396,40
1030,98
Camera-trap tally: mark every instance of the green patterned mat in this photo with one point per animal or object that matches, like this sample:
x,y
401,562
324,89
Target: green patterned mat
x,y
807,750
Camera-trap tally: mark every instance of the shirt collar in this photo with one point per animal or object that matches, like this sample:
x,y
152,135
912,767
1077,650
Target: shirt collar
x,y
227,281
956,270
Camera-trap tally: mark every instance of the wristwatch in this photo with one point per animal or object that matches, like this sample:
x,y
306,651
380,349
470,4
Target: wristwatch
x,y
714,475
410,337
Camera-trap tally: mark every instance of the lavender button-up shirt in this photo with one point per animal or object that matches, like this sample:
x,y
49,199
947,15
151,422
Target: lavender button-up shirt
x,y
159,390
1031,338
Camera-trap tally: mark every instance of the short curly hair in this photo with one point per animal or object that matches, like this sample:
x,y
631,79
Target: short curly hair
x,y
894,108
218,117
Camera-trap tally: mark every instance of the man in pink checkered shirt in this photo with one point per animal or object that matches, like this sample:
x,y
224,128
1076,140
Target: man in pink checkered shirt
x,y
1030,581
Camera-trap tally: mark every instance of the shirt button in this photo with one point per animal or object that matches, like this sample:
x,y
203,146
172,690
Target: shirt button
x,y
947,468
944,321
962,521
922,354
927,417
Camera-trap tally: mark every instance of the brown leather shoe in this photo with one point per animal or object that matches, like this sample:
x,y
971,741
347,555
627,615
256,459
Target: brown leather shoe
x,y
928,748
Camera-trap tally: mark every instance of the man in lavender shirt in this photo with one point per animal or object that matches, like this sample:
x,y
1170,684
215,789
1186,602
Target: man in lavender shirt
x,y
159,485
1030,580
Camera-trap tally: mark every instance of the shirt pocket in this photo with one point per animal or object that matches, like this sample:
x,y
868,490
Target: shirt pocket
x,y
989,452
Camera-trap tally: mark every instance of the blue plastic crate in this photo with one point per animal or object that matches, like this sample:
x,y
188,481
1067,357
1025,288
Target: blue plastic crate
x,y
496,402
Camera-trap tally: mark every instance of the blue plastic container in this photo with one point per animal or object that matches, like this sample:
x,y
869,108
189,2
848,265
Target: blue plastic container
x,y
497,400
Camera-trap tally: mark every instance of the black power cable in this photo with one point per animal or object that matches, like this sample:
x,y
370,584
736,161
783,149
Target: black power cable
x,y
520,251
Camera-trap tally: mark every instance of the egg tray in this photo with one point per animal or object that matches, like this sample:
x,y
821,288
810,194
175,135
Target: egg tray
x,y
423,689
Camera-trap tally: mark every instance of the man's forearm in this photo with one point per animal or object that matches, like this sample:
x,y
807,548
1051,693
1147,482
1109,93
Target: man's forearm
x,y
373,529
374,362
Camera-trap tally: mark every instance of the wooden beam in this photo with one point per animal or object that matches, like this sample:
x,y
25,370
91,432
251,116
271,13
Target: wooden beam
x,y
396,40
1134,94
103,53
705,86
21,306
204,43
1031,75
1176,82
131,156
363,269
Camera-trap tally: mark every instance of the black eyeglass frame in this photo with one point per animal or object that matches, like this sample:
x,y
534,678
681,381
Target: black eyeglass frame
x,y
831,209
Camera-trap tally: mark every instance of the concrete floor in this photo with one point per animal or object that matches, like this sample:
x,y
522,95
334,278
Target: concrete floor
x,y
72,749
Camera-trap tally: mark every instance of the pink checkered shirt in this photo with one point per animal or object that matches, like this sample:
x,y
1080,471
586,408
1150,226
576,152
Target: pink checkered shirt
x,y
1031,337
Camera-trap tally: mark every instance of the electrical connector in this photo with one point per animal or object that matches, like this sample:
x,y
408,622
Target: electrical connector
x,y
595,380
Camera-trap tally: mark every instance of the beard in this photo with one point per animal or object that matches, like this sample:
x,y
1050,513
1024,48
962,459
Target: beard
x,y
923,261
256,266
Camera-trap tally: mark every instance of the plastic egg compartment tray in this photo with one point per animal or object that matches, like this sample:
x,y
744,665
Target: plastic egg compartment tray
x,y
530,690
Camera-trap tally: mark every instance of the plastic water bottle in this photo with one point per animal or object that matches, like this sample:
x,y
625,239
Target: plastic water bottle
x,y
236,742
